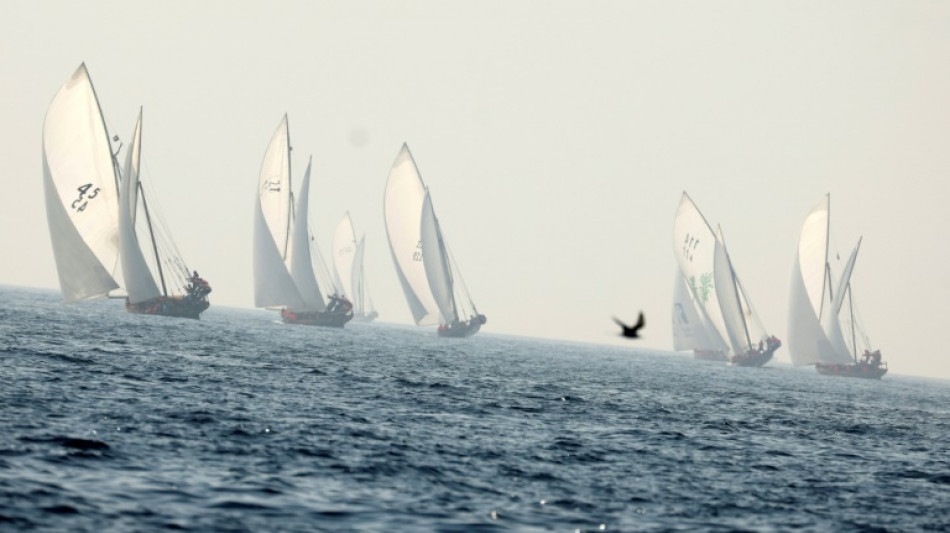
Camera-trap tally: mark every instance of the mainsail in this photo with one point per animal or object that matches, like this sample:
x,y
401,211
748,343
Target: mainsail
x,y
813,311
273,284
402,211
691,331
344,254
435,260
301,266
79,181
362,303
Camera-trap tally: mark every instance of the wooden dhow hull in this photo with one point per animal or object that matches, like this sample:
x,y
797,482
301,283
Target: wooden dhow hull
x,y
464,329
855,370
176,306
316,318
756,357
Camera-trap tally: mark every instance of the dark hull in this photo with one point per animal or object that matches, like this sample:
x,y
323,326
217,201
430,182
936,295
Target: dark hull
x,y
317,318
465,329
756,357
856,370
176,306
710,355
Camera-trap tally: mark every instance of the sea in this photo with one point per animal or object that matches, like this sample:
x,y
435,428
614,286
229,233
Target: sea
x,y
111,421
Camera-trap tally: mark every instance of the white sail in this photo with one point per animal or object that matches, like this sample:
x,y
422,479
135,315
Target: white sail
x,y
402,211
139,282
436,263
344,253
362,303
690,330
301,266
79,181
694,245
807,341
831,321
273,285
728,295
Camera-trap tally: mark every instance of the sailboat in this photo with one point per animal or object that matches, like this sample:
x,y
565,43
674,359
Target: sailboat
x,y
815,317
283,263
348,274
423,263
725,319
91,209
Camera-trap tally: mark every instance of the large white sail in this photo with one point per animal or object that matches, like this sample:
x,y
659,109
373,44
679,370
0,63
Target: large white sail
x,y
402,211
362,303
436,263
79,181
694,245
807,341
301,266
344,253
139,282
273,285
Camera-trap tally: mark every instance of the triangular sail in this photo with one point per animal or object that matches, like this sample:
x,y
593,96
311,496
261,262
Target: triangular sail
x,y
831,321
273,285
301,266
344,253
79,180
402,211
139,282
436,263
728,294
362,303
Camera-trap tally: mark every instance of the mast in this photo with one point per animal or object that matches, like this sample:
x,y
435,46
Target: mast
x,y
854,342
445,265
826,279
283,252
148,219
735,289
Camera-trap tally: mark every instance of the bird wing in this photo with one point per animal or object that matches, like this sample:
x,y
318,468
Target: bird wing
x,y
640,321
619,323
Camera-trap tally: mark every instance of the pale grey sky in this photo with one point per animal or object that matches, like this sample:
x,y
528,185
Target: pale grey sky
x,y
556,139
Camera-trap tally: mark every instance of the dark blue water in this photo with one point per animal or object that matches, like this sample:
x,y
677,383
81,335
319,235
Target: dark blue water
x,y
120,422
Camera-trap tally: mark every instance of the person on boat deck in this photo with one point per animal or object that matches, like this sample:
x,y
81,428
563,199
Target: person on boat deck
x,y
760,345
876,358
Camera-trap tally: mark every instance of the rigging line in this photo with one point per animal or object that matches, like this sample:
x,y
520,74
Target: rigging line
x,y
460,278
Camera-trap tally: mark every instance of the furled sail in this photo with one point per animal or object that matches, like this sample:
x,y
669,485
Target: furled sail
x,y
301,266
402,211
79,180
139,282
273,285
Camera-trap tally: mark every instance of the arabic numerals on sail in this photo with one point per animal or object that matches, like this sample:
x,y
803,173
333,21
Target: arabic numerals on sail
x,y
80,203
417,253
689,246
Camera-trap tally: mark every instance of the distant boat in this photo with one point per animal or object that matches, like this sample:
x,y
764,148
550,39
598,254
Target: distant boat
x,y
725,319
348,274
92,209
283,264
424,265
815,334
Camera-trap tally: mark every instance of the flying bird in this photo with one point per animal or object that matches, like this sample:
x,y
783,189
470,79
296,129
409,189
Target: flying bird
x,y
631,331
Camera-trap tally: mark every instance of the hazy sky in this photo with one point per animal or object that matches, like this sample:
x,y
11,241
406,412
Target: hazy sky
x,y
556,139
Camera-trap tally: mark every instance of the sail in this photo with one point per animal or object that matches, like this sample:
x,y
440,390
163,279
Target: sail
x,y
79,182
139,283
728,295
690,330
344,253
402,211
273,285
807,341
694,246
362,305
831,321
301,266
435,262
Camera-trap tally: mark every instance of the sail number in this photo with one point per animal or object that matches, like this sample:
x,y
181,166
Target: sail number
x,y
271,184
417,254
689,246
79,204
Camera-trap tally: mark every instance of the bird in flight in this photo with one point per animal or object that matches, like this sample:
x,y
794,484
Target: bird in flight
x,y
631,331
